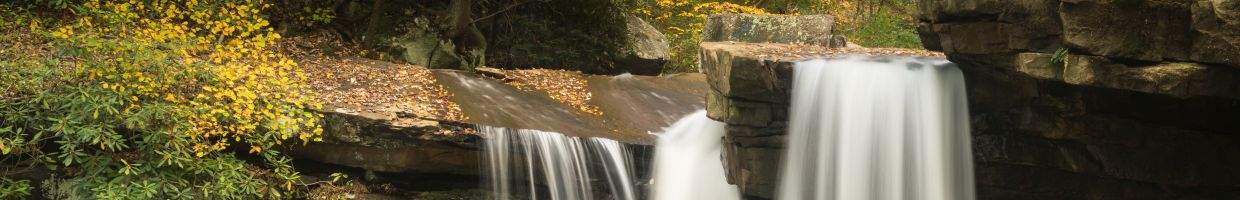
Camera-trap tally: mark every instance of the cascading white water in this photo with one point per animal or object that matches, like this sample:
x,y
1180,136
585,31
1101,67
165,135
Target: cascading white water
x,y
687,161
878,128
521,159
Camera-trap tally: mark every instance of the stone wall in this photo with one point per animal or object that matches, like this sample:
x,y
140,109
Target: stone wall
x,y
749,92
1181,48
1093,99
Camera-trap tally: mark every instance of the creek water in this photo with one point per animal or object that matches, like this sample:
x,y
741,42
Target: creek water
x,y
859,128
687,162
877,128
534,164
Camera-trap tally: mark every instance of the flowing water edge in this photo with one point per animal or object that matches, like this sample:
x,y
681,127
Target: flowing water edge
x,y
860,128
877,128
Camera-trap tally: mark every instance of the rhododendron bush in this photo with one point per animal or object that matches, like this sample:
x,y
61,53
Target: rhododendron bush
x,y
152,99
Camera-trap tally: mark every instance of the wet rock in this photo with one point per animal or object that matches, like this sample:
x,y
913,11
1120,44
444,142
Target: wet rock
x,y
631,108
378,143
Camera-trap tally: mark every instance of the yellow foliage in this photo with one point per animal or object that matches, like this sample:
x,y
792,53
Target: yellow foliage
x,y
217,68
683,21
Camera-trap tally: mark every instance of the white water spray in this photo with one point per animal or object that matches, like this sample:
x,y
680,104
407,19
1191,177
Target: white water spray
x,y
878,128
520,161
687,161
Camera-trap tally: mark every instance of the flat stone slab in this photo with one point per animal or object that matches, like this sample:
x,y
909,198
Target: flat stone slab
x,y
490,102
378,138
632,107
647,104
787,29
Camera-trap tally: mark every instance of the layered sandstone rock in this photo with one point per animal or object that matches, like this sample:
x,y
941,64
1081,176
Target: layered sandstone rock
x,y
377,142
1071,99
750,84
1077,99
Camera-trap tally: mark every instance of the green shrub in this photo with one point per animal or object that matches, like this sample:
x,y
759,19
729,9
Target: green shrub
x,y
153,100
682,21
14,189
871,23
883,29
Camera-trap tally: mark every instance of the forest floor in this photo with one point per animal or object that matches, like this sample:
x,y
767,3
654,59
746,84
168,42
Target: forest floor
x,y
344,79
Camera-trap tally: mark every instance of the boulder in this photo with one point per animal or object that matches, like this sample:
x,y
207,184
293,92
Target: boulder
x,y
420,46
646,49
590,36
787,29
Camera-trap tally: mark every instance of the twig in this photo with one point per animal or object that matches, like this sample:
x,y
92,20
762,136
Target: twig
x,y
500,11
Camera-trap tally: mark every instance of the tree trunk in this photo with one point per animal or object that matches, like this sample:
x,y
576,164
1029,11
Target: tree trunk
x,y
469,42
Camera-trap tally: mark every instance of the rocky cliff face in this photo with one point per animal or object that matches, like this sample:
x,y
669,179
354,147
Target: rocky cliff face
x,y
1079,99
1071,99
748,64
1181,48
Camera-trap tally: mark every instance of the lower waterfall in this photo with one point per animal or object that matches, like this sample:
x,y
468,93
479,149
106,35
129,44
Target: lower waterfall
x,y
877,128
687,161
520,162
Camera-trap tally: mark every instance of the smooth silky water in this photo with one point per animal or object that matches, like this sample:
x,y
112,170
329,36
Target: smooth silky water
x,y
688,164
860,128
532,164
878,128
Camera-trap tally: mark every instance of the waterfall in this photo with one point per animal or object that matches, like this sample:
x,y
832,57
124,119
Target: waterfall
x,y
520,161
877,128
687,161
